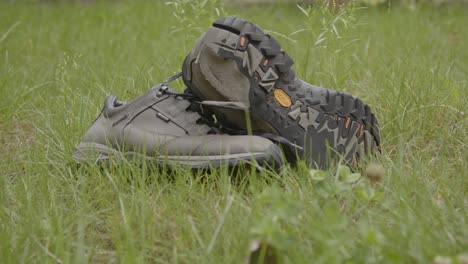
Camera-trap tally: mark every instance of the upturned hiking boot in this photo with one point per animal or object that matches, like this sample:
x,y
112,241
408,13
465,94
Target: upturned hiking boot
x,y
159,126
236,61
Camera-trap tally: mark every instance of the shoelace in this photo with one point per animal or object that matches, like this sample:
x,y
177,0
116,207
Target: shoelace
x,y
164,89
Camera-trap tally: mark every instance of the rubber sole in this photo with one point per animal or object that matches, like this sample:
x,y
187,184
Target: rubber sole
x,y
327,123
102,154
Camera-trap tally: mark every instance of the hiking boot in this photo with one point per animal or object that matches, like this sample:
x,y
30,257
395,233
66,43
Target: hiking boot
x,y
236,61
159,126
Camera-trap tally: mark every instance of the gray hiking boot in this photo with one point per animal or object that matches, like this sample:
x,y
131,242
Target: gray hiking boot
x,y
236,61
159,126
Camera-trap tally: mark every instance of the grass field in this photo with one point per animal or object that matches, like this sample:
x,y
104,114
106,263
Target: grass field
x,y
59,61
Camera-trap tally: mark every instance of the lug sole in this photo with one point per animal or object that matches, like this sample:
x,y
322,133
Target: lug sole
x,y
328,123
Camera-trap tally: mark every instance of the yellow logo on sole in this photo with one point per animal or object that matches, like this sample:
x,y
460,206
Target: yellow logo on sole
x,y
282,97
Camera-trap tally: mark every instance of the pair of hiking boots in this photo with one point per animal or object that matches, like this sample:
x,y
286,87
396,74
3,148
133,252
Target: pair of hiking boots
x,y
243,104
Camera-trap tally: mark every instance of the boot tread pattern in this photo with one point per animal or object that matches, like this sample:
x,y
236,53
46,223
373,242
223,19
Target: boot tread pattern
x,y
324,110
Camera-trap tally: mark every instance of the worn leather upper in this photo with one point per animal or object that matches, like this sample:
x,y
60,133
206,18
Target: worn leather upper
x,y
160,124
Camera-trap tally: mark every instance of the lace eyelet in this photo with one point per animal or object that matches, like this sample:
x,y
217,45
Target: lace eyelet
x,y
162,90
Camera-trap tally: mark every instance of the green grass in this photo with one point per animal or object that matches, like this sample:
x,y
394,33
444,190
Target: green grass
x,y
59,61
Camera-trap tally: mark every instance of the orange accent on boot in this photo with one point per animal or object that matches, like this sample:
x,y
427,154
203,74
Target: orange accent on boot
x,y
348,121
282,97
242,41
